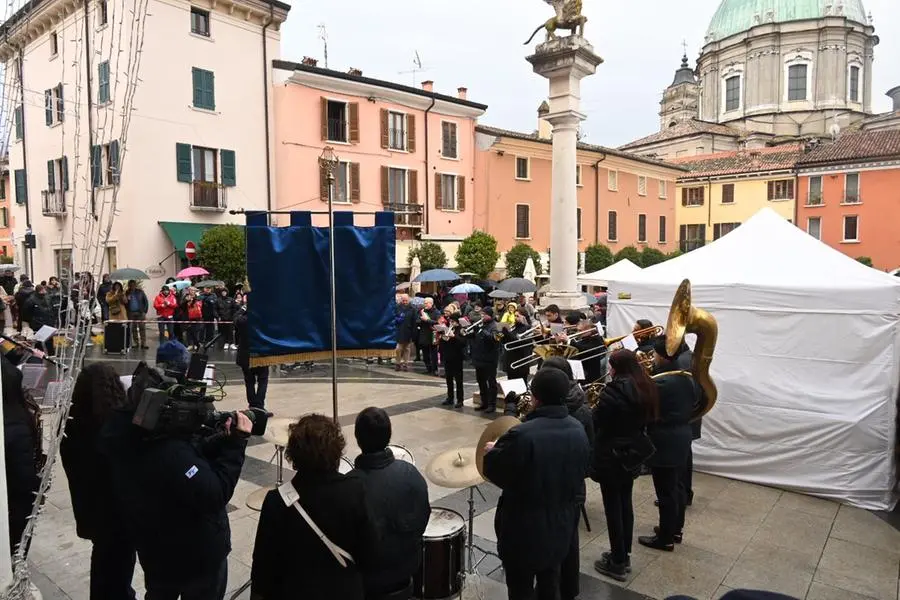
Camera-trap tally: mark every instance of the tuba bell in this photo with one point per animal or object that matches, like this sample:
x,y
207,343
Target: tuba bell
x,y
685,318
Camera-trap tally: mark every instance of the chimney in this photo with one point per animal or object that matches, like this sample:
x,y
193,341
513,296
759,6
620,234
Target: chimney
x,y
894,94
309,62
545,129
428,86
355,72
462,93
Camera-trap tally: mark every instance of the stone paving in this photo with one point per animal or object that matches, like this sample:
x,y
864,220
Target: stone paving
x,y
737,535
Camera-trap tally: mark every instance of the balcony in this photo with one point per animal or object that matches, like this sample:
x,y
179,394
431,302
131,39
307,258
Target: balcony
x,y
406,215
688,245
208,196
53,204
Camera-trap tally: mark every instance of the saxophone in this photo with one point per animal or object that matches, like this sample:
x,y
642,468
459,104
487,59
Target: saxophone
x,y
685,318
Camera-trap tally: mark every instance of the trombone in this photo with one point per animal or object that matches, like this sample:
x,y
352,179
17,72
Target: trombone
x,y
603,349
473,327
531,337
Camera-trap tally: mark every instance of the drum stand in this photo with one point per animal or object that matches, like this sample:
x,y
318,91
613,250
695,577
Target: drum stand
x,y
471,545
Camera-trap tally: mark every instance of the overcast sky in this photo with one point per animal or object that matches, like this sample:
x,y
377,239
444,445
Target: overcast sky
x,y
478,44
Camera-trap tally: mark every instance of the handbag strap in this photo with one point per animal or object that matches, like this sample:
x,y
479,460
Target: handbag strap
x,y
290,497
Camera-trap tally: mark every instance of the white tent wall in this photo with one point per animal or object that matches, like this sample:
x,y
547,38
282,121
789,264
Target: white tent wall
x,y
807,398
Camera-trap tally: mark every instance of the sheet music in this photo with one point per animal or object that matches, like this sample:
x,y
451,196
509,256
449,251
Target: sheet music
x,y
44,333
577,370
630,343
512,385
557,328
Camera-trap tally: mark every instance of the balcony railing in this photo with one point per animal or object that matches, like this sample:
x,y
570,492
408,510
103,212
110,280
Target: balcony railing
x,y
53,204
208,195
337,130
406,215
688,245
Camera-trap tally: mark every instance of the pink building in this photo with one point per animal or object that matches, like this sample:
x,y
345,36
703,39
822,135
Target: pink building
x,y
623,199
405,149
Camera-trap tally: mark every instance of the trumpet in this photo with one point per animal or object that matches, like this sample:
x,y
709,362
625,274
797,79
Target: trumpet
x,y
474,327
529,338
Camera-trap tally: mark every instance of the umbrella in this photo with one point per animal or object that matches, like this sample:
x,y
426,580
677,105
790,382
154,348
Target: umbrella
x,y
211,283
417,302
591,299
126,274
402,286
192,272
10,267
436,275
415,269
179,285
502,294
467,288
518,285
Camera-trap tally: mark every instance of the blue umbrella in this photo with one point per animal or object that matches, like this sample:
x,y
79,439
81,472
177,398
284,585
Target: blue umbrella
x,y
179,285
591,299
467,288
436,275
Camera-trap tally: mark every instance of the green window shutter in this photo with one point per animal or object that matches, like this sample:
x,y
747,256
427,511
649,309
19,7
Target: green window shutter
x,y
103,82
96,166
197,79
114,160
65,174
210,90
2,188
48,107
60,105
18,115
21,187
229,173
51,178
183,163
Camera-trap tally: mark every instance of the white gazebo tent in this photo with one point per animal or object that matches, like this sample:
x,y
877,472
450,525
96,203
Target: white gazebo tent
x,y
622,269
807,361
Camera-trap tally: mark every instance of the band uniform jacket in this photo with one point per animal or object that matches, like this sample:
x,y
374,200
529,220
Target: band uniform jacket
x,y
290,562
540,465
684,362
671,434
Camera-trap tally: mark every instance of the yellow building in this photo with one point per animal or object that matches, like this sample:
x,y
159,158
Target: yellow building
x,y
721,191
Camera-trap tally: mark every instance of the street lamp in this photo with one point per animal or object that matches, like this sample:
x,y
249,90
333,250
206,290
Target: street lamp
x,y
329,162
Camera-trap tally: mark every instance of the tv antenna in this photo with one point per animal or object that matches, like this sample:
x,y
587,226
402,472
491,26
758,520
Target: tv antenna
x,y
323,35
417,67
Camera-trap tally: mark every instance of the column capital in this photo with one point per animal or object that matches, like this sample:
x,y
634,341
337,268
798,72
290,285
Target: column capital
x,y
565,119
570,56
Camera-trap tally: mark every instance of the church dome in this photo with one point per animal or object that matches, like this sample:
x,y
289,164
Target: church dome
x,y
736,16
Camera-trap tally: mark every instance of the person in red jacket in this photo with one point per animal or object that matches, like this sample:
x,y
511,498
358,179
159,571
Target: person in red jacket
x,y
165,304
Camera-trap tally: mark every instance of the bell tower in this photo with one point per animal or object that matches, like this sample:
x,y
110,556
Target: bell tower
x,y
680,101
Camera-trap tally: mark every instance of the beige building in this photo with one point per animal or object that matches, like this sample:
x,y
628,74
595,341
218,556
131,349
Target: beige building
x,y
768,72
156,110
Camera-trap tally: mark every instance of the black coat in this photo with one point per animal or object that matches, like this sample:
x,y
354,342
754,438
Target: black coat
x,y
540,465
208,307
22,298
579,410
8,284
242,339
39,312
19,445
453,350
617,418
397,497
671,434
291,562
226,308
511,356
405,320
425,326
173,492
484,347
685,362
594,367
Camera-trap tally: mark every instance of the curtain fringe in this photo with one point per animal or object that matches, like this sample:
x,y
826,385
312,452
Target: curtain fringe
x,y
268,361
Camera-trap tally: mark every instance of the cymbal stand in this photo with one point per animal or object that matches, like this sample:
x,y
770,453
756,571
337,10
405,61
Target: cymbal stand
x,y
471,545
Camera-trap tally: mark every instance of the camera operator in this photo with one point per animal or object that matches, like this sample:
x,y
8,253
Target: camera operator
x,y
174,489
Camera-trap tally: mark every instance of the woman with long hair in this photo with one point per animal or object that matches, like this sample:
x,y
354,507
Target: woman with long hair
x,y
98,390
290,559
626,406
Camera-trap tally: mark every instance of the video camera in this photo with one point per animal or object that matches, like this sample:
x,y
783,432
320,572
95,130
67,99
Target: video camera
x,y
175,402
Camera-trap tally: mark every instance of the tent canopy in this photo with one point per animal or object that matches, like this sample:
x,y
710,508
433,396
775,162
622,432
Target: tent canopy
x,y
618,270
807,361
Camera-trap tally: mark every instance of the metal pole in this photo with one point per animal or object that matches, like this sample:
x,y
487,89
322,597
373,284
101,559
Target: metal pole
x,y
334,385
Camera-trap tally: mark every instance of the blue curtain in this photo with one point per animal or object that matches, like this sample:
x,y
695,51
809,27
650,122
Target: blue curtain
x,y
289,307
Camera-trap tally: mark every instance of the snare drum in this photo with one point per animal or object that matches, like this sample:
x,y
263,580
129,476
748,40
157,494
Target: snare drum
x,y
345,466
401,453
443,547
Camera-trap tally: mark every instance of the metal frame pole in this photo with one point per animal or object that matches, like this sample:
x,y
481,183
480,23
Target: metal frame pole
x,y
334,384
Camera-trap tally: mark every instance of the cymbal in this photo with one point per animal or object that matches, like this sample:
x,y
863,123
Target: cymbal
x,y
492,433
454,469
278,431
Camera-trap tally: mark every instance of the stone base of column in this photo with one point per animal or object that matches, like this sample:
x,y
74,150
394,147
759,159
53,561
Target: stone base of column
x,y
565,300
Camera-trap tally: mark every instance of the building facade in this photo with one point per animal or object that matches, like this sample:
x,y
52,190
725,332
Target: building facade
x,y
623,200
721,191
158,113
404,149
6,242
848,192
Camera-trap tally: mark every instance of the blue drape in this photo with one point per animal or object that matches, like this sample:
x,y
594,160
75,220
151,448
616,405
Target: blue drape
x,y
289,307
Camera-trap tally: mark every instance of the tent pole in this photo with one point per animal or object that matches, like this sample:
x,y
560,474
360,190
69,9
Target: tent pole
x,y
334,385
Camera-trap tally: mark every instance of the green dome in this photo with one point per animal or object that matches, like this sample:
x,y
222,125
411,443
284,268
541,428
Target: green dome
x,y
736,16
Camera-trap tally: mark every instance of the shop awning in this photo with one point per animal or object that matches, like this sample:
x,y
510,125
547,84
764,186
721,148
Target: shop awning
x,y
180,233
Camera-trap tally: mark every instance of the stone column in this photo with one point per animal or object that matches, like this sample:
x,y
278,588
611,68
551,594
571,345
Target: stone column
x,y
565,62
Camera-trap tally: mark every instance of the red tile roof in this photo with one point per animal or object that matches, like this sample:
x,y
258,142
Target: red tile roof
x,y
684,129
854,146
776,158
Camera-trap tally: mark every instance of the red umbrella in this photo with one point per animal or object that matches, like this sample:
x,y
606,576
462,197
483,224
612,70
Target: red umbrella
x,y
192,272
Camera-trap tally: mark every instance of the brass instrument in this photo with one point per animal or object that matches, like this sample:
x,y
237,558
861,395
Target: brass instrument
x,y
683,319
524,405
474,327
603,350
592,392
544,351
646,359
529,338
